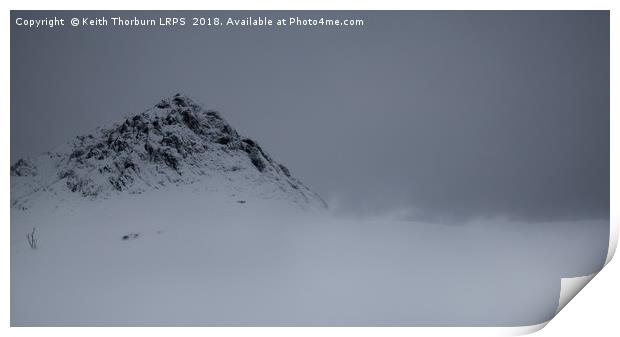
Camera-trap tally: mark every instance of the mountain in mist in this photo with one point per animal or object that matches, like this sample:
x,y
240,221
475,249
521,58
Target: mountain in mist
x,y
177,142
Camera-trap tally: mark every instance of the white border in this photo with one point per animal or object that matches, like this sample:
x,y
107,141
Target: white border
x,y
317,4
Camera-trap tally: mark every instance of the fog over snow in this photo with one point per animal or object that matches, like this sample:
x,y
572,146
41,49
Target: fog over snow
x,y
170,217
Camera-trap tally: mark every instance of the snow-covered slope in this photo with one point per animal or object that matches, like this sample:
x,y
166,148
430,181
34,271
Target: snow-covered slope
x,y
203,261
177,142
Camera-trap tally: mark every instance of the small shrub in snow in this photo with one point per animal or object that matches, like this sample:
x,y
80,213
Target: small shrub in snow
x,y
32,240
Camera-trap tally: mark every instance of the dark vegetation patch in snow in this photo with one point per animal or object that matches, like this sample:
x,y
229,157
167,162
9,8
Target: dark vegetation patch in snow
x,y
131,236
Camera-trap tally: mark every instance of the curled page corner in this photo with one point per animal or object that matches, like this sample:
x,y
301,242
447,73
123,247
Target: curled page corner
x,y
570,287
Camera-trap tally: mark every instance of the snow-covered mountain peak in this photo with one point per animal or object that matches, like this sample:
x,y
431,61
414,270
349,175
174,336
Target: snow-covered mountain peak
x,y
177,142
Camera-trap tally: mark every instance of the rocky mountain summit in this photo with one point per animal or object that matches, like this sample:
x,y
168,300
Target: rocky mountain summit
x,y
177,142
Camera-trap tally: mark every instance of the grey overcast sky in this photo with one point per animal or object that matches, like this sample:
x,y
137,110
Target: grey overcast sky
x,y
453,114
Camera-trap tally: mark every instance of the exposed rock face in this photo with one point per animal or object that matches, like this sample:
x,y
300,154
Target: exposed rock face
x,y
175,142
23,168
